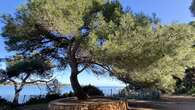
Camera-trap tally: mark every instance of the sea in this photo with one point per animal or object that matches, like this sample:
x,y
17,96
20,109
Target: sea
x,y
7,92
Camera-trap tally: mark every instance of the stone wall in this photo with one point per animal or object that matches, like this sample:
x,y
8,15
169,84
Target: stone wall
x,y
102,104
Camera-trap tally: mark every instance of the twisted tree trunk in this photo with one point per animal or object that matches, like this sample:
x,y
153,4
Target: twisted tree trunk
x,y
18,88
78,90
80,94
16,97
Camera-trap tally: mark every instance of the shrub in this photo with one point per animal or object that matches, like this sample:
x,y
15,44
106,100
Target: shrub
x,y
49,97
36,100
192,91
92,91
41,99
145,93
186,85
70,94
5,105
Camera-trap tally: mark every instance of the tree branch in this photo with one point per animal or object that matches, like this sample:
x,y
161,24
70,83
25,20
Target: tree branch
x,y
86,66
36,81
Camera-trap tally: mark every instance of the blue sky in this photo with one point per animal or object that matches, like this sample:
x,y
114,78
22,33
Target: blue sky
x,y
169,11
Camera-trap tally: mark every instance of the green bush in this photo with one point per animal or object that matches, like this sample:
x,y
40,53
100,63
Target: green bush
x,y
92,91
192,91
144,93
47,98
185,86
36,100
70,94
50,97
5,105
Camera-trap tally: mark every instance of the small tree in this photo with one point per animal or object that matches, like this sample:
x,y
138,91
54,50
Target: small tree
x,y
21,71
53,87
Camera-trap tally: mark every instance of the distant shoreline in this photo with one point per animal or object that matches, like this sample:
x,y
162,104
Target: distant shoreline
x,y
60,85
33,84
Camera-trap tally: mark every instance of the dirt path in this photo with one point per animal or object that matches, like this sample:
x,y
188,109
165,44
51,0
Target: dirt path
x,y
166,103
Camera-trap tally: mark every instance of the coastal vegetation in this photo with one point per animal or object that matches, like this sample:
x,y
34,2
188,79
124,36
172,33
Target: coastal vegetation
x,y
100,37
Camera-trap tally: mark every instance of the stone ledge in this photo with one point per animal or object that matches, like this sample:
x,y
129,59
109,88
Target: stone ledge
x,y
95,103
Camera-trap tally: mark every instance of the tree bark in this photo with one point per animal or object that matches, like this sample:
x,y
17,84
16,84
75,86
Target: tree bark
x,y
18,88
16,97
78,90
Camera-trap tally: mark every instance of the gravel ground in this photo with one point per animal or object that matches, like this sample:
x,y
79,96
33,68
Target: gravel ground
x,y
166,103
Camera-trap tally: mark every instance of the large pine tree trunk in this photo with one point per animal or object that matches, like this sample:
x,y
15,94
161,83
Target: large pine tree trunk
x,y
81,95
78,90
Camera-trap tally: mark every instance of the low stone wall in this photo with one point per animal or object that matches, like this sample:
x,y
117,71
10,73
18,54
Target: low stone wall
x,y
90,104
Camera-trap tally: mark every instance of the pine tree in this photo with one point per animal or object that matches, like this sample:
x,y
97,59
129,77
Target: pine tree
x,y
101,37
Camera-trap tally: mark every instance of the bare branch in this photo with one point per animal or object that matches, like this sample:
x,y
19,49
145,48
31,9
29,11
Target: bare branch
x,y
106,67
36,81
86,66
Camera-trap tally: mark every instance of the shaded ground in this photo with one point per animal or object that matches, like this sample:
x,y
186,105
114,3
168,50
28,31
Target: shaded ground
x,y
166,103
34,107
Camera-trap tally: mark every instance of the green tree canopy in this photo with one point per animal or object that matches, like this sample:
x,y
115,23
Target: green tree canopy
x,y
56,30
138,54
100,36
192,7
21,71
30,65
176,53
